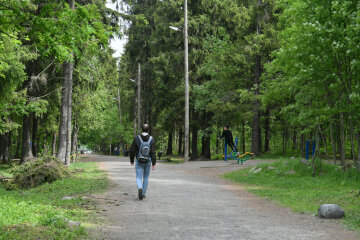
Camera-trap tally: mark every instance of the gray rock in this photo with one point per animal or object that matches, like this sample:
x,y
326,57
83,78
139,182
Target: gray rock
x,y
331,211
304,161
290,172
257,170
270,168
67,198
292,157
252,170
72,223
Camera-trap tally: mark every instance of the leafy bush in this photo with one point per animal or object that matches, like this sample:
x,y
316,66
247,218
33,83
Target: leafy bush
x,y
53,219
218,156
323,169
36,172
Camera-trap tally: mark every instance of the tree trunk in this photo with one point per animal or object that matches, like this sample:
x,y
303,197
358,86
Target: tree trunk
x,y
342,139
26,152
207,151
285,136
255,133
243,136
180,141
45,146
352,141
203,145
10,145
358,163
6,144
2,144
255,148
267,131
260,137
74,140
18,144
53,151
65,116
35,135
302,144
69,117
170,143
77,143
61,152
217,141
294,139
332,140
194,149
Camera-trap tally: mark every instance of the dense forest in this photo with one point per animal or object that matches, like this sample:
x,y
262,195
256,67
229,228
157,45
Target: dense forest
x,y
279,72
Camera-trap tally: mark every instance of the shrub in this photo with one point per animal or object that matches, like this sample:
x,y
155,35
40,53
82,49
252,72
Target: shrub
x,y
218,156
37,171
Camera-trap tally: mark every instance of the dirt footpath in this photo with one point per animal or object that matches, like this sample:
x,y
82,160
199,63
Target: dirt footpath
x,y
190,201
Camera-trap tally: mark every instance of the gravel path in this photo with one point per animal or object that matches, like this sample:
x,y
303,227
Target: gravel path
x,y
190,201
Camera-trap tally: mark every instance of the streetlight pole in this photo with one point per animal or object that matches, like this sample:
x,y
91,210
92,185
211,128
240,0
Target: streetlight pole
x,y
119,104
138,96
186,143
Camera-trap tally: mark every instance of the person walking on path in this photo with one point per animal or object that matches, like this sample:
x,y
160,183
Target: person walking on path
x,y
143,148
229,138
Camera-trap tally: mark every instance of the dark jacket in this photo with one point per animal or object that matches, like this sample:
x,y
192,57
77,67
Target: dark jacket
x,y
134,150
228,135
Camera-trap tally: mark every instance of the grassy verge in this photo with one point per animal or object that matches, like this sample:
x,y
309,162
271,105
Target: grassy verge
x,y
172,160
40,213
289,183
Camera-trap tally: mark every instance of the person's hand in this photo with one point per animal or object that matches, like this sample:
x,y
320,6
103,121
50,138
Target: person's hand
x,y
153,167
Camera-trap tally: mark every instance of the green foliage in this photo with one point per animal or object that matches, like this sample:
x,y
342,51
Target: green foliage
x,y
37,171
63,33
40,213
300,191
312,80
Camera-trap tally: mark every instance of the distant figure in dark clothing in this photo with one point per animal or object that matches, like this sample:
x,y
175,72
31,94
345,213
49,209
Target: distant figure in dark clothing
x,y
229,138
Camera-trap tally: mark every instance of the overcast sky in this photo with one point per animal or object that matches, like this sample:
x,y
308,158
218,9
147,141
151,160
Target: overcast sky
x,y
116,44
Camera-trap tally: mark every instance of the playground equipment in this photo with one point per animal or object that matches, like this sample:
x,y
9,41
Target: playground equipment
x,y
313,143
233,155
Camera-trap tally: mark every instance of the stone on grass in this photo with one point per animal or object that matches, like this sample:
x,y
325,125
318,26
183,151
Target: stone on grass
x,y
72,224
270,168
290,172
67,198
292,157
331,211
257,170
304,161
252,170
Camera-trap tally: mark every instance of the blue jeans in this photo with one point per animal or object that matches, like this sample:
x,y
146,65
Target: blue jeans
x,y
142,175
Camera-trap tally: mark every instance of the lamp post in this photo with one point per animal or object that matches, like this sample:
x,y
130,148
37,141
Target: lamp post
x,y
138,95
138,99
186,55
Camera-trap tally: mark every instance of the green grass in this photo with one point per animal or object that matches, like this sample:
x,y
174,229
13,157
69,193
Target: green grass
x,y
172,160
39,213
304,193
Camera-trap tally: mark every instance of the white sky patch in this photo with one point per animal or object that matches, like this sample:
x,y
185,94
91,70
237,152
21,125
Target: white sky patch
x,y
117,44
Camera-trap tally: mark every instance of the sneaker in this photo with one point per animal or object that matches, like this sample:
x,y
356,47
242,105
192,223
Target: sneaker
x,y
140,194
144,196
